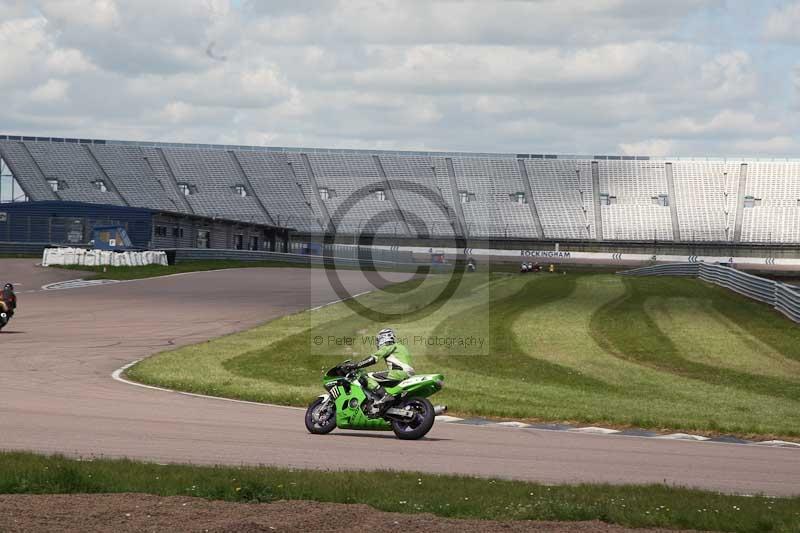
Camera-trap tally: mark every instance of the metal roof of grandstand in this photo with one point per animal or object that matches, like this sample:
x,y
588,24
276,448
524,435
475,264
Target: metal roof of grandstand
x,y
600,157
29,138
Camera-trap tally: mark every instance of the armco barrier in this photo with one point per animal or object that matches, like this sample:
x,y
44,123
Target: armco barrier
x,y
23,248
204,254
784,298
671,269
787,301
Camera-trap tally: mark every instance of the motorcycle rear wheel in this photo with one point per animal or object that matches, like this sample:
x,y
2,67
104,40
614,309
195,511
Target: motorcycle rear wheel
x,y
420,425
313,424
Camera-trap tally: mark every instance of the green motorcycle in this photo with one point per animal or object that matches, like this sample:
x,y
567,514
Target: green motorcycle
x,y
349,405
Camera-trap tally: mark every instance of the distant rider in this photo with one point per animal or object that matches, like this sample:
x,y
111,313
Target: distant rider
x,y
9,298
397,359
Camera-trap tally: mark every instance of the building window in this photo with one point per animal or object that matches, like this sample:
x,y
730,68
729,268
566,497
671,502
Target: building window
x,y
751,201
238,241
54,185
380,194
607,199
161,231
185,189
100,185
325,193
203,238
240,190
10,191
466,197
661,200
253,245
177,232
518,198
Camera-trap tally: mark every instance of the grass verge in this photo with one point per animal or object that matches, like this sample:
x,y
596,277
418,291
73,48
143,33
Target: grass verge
x,y
666,354
447,496
153,271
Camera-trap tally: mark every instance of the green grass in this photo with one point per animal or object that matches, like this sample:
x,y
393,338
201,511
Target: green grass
x,y
660,353
447,496
153,271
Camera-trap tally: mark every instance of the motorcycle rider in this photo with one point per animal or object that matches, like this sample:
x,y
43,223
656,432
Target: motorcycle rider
x,y
397,358
9,298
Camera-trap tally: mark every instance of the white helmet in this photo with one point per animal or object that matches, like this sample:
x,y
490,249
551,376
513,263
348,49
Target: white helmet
x,y
385,336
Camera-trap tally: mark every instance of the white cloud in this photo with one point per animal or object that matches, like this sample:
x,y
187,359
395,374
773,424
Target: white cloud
x,y
101,15
782,23
727,123
652,147
50,91
773,146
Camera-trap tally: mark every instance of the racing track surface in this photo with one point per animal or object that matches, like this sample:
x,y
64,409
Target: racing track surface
x,y
56,395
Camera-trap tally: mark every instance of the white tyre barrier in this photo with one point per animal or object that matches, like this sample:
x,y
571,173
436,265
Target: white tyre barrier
x,y
81,257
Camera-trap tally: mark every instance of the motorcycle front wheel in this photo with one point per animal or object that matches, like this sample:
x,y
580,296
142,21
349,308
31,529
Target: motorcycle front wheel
x,y
4,318
320,419
418,426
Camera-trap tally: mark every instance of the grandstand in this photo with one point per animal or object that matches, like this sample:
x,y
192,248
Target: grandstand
x,y
392,193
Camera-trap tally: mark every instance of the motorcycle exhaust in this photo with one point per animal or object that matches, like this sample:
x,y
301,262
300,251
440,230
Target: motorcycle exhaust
x,y
439,409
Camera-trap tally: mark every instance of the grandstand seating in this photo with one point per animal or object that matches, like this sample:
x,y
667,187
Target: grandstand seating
x,y
520,196
632,214
775,215
133,177
212,177
562,190
74,169
282,196
413,183
493,213
354,183
705,196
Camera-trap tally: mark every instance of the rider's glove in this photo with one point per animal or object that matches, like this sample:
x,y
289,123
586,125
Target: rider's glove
x,y
371,360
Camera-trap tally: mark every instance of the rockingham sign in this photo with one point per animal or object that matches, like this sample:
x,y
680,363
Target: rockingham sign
x,y
548,254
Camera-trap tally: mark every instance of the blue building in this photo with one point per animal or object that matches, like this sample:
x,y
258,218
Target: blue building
x,y
71,224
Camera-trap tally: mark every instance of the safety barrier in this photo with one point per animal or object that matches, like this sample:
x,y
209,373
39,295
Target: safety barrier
x,y
82,257
204,254
784,298
23,248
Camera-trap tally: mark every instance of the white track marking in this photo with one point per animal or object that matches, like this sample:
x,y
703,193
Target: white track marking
x,y
514,424
117,375
317,308
447,418
596,430
77,284
778,443
682,436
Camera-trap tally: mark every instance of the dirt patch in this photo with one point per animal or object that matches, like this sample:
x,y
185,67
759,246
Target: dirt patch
x,y
144,512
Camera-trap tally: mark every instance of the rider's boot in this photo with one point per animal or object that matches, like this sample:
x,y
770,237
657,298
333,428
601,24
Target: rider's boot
x,y
383,398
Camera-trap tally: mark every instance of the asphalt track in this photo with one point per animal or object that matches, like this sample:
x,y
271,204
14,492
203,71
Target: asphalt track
x,y
56,395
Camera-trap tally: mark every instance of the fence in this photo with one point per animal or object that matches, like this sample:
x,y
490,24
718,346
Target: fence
x,y
784,298
351,251
23,248
204,254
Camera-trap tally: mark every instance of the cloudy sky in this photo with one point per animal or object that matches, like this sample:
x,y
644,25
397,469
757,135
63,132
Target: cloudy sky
x,y
678,77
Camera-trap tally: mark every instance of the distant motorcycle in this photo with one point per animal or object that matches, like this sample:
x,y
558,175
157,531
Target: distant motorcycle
x,y
349,405
5,315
